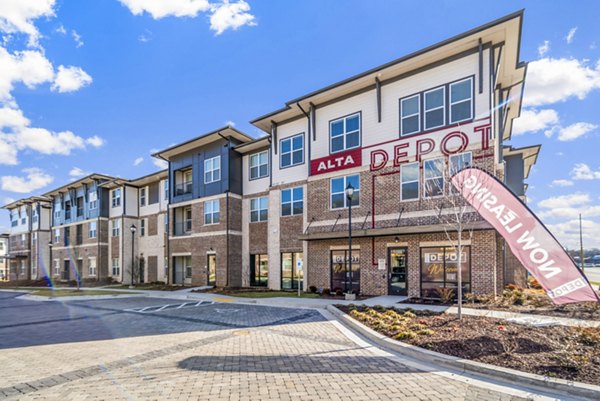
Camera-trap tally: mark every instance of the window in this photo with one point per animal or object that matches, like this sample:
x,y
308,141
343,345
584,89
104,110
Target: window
x,y
433,177
116,269
166,266
292,201
56,267
461,100
142,196
93,197
410,115
79,203
344,268
167,189
187,266
92,266
34,267
187,215
344,133
292,151
409,181
142,227
259,209
57,212
259,165
439,269
212,170
34,238
292,272
57,235
435,108
68,210
211,212
116,228
338,191
460,161
34,216
259,270
67,238
93,229
116,197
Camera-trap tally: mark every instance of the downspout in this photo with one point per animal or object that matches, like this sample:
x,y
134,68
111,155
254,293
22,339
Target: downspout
x,y
98,212
227,208
122,234
30,229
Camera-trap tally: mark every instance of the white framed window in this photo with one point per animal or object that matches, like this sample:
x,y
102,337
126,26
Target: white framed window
x,y
116,269
142,227
56,267
143,196
93,199
34,215
212,169
338,186
116,228
92,266
116,197
433,177
166,189
259,209
461,100
56,235
187,266
435,108
57,210
291,151
259,165
410,115
292,201
211,212
460,161
93,229
344,133
409,181
34,267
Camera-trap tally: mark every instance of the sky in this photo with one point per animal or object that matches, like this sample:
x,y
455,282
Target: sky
x,y
97,86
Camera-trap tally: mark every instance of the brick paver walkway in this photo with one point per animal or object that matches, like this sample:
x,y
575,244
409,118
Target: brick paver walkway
x,y
213,352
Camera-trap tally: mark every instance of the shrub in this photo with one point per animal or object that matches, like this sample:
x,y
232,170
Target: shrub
x,y
326,291
405,335
425,332
312,289
339,292
589,336
417,327
391,313
533,283
446,294
409,315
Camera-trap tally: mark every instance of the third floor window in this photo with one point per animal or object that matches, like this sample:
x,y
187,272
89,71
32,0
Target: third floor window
x,y
212,170
344,133
259,165
116,197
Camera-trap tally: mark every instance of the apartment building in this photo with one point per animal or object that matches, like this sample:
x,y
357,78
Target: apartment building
x,y
205,209
4,265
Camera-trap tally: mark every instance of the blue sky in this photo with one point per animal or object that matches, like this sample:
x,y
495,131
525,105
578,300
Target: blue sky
x,y
95,86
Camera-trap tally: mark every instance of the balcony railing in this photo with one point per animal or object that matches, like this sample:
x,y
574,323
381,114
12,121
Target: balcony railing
x,y
183,228
183,188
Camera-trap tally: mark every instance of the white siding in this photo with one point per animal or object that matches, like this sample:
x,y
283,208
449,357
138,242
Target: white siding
x,y
253,186
295,173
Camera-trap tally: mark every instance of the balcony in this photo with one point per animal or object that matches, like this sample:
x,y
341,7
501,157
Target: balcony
x,y
183,228
183,188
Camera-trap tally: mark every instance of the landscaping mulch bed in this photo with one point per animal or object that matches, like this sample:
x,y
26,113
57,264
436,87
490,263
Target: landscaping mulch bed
x,y
564,352
266,293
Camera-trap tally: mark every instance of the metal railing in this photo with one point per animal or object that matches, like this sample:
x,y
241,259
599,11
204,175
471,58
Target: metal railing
x,y
182,228
183,188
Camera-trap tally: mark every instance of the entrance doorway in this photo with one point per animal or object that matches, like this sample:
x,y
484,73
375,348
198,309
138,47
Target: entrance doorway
x,y
211,264
341,276
398,272
66,273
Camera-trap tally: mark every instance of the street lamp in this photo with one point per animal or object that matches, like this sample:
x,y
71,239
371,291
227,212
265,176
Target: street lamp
x,y
133,229
349,194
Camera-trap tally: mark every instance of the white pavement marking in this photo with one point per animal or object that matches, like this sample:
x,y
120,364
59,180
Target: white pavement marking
x,y
160,308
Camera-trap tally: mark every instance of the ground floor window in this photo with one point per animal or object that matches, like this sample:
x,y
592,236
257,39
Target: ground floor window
x,y
92,266
292,270
116,269
187,266
259,270
439,269
56,267
340,276
34,267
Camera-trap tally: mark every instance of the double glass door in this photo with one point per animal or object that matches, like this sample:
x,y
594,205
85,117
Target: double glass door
x,y
398,271
212,269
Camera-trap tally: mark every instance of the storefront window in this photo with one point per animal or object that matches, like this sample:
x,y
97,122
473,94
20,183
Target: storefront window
x,y
339,270
292,270
259,270
439,269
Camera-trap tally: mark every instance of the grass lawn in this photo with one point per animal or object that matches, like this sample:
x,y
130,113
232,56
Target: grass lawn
x,y
264,294
71,292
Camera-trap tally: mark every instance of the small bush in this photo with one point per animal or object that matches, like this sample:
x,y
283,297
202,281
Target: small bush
x,y
590,336
533,283
405,335
326,291
409,315
312,289
446,294
417,327
425,332
339,292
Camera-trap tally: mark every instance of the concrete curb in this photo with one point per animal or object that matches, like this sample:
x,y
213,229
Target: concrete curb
x,y
39,298
587,391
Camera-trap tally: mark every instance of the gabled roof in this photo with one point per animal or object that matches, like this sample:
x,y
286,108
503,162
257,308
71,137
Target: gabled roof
x,y
228,132
528,153
149,178
88,179
25,201
259,143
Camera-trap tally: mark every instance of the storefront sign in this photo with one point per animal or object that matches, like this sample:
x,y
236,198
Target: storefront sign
x,y
339,257
336,161
530,241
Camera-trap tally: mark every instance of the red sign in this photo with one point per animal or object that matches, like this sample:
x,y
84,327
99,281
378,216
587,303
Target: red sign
x,y
336,161
530,241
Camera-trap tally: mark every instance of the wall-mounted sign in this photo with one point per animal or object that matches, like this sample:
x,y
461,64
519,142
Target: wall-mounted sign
x,y
381,264
336,161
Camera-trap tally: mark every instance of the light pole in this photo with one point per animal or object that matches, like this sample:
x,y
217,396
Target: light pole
x,y
133,229
349,194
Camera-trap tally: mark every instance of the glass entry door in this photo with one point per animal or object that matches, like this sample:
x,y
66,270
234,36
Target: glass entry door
x,y
212,269
341,276
398,271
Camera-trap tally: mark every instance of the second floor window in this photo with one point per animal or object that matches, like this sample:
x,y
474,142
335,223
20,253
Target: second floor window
x,y
409,181
116,228
259,165
56,235
292,151
67,236
292,202
166,189
116,197
211,212
212,170
142,227
433,177
142,196
259,209
338,191
344,133
93,229
187,216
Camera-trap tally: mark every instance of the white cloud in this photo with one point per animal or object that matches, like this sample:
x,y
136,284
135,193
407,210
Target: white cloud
x,y
138,161
95,141
70,79
565,201
8,200
77,38
230,16
145,37
571,35
17,17
29,67
34,179
552,80
76,172
568,206
574,131
171,8
160,163
562,183
532,120
61,29
568,232
582,171
230,123
544,48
